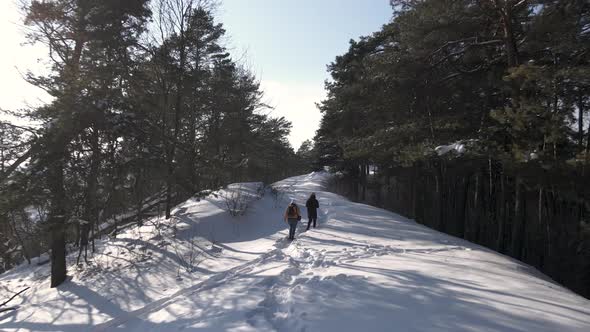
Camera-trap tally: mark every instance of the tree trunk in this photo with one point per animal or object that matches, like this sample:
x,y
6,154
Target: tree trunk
x,y
90,210
68,126
516,236
461,220
24,250
442,199
192,137
192,158
505,10
139,196
177,116
501,217
414,193
56,221
581,121
477,209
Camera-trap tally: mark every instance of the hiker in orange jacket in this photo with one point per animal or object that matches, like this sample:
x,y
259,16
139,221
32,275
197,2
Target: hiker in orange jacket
x,y
292,216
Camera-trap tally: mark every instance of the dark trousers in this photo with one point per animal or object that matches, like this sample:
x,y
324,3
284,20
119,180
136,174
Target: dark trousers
x,y
292,227
310,219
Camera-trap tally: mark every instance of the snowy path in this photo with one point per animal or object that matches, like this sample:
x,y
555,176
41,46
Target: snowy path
x,y
362,269
368,268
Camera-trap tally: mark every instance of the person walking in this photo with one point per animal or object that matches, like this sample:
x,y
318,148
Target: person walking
x,y
312,206
292,216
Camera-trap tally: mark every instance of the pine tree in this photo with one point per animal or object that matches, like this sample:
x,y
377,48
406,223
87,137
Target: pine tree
x,y
503,81
78,33
137,116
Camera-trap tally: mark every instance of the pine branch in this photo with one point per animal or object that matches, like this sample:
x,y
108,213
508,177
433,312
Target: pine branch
x,y
462,51
31,130
16,164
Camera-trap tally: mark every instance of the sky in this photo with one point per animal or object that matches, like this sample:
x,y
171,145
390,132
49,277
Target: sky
x,y
16,59
287,44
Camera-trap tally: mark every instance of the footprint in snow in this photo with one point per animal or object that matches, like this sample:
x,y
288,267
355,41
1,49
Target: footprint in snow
x,y
291,272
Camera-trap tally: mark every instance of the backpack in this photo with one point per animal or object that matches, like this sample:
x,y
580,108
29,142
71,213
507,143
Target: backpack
x,y
292,212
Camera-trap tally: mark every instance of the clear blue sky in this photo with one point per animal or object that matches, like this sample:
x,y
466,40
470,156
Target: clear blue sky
x,y
289,43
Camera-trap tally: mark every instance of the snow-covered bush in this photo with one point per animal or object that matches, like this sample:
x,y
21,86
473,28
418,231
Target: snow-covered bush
x,y
188,253
277,196
236,202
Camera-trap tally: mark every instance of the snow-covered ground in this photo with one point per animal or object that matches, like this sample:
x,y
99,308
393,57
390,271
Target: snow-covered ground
x,y
362,269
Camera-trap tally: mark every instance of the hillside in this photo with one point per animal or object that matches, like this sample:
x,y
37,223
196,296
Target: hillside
x,y
363,268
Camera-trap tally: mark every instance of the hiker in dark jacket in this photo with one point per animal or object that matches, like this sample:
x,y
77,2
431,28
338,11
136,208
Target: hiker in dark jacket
x,y
312,206
292,216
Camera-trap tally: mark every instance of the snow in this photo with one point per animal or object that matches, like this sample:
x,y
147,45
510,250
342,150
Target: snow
x,y
444,149
362,269
35,213
459,147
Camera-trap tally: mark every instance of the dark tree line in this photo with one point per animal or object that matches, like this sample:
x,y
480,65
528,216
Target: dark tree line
x,y
502,88
148,106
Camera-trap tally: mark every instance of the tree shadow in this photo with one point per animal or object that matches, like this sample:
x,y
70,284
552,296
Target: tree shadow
x,y
409,301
